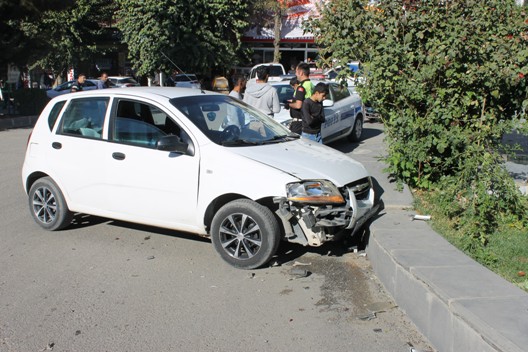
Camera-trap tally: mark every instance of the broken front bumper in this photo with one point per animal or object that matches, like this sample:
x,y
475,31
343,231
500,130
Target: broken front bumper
x,y
314,225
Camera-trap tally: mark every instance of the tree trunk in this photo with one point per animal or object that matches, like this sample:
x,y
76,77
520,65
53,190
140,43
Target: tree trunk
x,y
277,35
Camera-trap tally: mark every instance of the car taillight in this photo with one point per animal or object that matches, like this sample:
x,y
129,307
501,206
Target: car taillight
x,y
29,137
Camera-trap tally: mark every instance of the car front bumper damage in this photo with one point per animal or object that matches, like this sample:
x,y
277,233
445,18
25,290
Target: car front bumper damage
x,y
313,225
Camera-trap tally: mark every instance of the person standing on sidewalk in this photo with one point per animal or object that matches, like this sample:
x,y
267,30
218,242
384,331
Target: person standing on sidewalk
x,y
313,113
77,86
261,95
239,86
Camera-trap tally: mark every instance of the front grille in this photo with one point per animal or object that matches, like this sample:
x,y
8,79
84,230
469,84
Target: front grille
x,y
361,188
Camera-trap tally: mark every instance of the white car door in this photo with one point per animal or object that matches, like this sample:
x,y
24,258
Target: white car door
x,y
339,117
146,184
75,151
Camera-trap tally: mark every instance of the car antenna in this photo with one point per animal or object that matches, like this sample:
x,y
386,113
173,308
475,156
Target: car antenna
x,y
179,69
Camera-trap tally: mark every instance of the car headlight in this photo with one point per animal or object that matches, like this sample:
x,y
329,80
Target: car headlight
x,y
314,192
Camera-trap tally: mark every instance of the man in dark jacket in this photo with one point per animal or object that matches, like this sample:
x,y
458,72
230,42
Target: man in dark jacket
x,y
77,86
313,113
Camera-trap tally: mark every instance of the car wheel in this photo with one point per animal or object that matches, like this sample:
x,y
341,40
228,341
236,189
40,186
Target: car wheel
x,y
47,205
357,131
245,234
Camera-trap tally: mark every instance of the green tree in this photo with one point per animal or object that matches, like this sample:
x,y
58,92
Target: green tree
x,y
54,34
196,36
15,42
268,14
449,80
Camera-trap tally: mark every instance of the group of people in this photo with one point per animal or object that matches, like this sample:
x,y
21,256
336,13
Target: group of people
x,y
102,83
306,105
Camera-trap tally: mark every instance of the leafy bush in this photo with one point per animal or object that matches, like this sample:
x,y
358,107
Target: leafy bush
x,y
448,78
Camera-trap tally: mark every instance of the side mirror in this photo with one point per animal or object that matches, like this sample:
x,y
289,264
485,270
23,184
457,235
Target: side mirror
x,y
172,144
327,103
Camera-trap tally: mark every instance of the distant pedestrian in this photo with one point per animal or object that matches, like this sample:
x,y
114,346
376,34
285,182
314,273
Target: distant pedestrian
x,y
103,81
313,113
239,86
78,85
261,95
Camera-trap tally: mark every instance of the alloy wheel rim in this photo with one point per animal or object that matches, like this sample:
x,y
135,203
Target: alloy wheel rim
x,y
44,205
240,236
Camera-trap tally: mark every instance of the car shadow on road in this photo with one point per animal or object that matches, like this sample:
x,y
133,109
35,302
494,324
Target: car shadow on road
x,y
83,220
345,146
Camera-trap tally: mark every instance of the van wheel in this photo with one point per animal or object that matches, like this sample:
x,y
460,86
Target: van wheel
x,y
47,205
357,131
245,234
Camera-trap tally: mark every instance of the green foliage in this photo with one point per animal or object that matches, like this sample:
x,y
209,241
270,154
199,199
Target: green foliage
x,y
15,42
196,37
30,102
70,36
448,77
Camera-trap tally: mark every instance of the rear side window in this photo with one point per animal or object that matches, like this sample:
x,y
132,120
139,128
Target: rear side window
x,y
339,92
84,117
54,114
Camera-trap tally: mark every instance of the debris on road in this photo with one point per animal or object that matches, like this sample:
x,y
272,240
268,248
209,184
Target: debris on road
x,y
421,217
301,264
150,257
369,316
299,272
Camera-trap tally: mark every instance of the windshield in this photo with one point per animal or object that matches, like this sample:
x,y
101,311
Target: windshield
x,y
230,122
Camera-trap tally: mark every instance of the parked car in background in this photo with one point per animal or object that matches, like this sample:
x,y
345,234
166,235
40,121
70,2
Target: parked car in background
x,y
186,80
65,87
194,161
123,81
343,111
276,72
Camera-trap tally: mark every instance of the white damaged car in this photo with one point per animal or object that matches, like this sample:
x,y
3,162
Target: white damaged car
x,y
192,161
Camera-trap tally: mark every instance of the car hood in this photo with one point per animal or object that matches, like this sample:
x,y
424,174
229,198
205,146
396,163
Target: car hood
x,y
306,160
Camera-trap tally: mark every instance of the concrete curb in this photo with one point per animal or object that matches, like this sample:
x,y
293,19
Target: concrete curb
x,y
7,123
455,302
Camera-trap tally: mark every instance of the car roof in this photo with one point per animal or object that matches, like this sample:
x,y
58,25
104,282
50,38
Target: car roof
x,y
146,92
120,77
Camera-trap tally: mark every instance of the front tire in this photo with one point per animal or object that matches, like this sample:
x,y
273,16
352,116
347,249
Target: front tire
x,y
245,234
357,131
47,205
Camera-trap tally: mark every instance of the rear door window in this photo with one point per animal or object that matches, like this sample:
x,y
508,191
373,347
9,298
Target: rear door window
x,y
84,117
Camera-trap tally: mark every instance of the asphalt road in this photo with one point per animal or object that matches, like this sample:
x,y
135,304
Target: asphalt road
x,y
103,285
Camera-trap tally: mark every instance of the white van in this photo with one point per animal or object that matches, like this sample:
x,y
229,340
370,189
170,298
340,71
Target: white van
x,y
276,71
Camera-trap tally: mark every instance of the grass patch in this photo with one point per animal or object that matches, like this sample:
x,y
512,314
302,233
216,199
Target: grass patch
x,y
506,252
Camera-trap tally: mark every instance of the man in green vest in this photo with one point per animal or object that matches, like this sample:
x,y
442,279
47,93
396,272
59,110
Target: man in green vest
x,y
303,91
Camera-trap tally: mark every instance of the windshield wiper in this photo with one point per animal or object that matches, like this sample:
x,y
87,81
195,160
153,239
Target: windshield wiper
x,y
283,137
238,142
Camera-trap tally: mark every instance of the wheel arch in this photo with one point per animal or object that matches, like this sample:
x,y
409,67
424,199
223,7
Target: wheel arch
x,y
222,200
32,178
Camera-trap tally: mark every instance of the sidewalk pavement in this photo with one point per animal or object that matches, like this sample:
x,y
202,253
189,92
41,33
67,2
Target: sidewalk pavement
x,y
455,302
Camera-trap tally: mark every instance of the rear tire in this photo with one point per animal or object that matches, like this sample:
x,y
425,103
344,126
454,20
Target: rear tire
x,y
245,234
47,205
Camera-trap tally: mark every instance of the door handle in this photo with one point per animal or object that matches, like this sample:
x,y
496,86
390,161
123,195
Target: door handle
x,y
118,156
56,145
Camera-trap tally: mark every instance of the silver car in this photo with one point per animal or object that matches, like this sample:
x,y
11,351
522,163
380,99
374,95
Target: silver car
x,y
343,111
